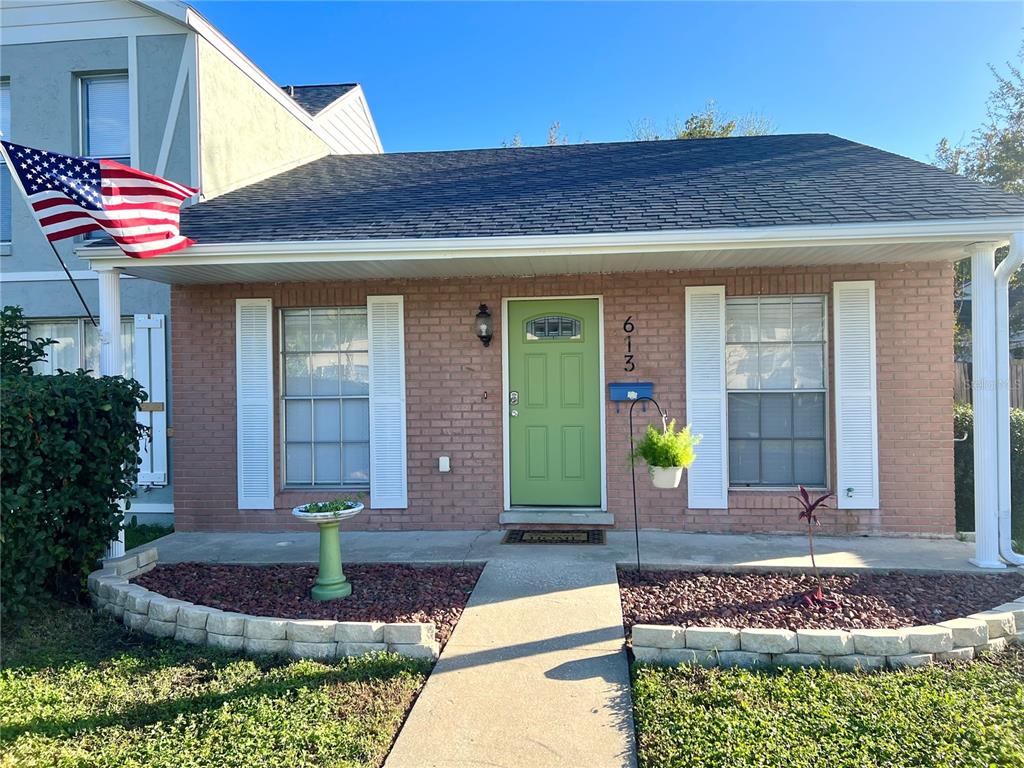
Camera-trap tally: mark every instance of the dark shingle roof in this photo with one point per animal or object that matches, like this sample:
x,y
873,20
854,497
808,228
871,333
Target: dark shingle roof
x,y
587,188
316,98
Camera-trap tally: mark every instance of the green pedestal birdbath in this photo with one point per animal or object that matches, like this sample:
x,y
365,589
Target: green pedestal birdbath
x,y
331,583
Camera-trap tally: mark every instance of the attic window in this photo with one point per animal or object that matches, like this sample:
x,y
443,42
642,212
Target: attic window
x,y
553,327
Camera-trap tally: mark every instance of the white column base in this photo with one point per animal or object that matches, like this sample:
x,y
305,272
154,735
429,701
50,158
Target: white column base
x,y
993,565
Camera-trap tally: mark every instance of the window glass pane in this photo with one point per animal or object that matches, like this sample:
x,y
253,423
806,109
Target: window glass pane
x,y
356,463
776,366
296,330
744,462
5,109
297,421
777,416
355,373
5,203
809,414
328,462
744,420
106,117
327,424
324,367
356,424
808,319
741,366
777,462
91,353
808,366
324,333
353,331
741,320
296,375
776,320
299,463
65,355
809,457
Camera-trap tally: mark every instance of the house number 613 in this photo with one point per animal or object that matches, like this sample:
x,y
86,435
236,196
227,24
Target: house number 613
x,y
628,328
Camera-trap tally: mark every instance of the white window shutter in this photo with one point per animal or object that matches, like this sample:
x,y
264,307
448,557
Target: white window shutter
x,y
388,466
856,402
255,396
707,480
150,370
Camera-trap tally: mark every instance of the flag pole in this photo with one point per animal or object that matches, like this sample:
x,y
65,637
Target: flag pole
x,y
17,180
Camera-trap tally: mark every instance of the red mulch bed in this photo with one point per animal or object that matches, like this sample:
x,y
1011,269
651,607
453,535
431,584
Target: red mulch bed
x,y
381,592
860,601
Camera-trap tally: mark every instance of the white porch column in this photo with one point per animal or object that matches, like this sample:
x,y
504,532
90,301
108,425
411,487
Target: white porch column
x,y
984,386
111,354
1004,272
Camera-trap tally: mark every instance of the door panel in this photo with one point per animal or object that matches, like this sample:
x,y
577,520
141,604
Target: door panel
x,y
555,424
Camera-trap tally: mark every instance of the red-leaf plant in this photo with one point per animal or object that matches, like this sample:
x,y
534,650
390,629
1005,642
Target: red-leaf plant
x,y
809,512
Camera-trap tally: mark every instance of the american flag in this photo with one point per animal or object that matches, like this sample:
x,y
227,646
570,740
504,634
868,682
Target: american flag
x,y
74,195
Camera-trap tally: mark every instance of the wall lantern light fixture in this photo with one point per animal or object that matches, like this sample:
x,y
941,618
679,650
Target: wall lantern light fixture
x,y
482,325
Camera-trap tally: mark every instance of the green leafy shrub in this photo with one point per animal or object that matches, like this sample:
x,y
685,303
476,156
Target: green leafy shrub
x,y
667,447
963,467
68,452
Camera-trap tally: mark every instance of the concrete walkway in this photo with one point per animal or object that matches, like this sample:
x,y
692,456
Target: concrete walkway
x,y
534,676
658,549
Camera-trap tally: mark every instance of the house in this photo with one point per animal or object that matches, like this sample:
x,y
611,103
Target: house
x,y
786,295
154,85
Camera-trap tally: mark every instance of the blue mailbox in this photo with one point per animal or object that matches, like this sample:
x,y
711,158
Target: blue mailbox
x,y
625,391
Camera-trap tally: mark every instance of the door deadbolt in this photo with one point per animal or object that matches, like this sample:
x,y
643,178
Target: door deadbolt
x,y
513,398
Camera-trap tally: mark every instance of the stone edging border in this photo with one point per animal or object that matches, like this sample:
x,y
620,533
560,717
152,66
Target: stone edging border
x,y
142,610
864,649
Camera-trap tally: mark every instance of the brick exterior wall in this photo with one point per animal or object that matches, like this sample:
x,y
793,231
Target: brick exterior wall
x,y
455,400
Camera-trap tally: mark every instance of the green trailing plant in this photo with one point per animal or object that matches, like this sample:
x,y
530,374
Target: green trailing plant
x,y
335,505
68,454
667,447
809,511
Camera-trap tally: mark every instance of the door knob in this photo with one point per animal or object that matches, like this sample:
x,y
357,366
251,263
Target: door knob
x,y
515,412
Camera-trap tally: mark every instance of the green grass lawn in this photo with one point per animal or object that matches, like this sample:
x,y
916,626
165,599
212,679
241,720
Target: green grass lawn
x,y
964,715
77,690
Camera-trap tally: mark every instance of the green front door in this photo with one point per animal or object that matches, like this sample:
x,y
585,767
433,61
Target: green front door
x,y
554,379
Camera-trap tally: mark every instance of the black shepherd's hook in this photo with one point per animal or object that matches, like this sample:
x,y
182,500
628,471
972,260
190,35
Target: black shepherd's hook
x,y
632,466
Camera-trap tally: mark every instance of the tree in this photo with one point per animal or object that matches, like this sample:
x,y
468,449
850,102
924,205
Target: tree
x,y
994,155
710,123
555,137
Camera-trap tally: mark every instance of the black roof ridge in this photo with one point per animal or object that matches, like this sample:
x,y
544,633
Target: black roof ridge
x,y
578,144
320,85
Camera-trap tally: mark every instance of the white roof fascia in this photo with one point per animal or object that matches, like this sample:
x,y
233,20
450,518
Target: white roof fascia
x,y
946,230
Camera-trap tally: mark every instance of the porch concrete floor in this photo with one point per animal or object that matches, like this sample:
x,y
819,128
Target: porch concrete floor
x,y
659,549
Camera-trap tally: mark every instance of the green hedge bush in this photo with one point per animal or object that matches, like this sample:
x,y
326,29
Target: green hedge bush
x,y
963,467
68,452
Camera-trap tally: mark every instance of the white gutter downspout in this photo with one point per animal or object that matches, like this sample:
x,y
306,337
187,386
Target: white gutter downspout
x,y
1002,275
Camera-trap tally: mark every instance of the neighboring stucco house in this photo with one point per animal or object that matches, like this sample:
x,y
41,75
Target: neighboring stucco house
x,y
154,85
786,295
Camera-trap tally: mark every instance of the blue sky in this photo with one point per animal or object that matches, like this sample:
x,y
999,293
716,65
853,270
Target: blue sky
x,y
457,75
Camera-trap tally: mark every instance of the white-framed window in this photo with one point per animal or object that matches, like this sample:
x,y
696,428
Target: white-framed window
x,y
5,174
776,377
78,344
325,397
105,118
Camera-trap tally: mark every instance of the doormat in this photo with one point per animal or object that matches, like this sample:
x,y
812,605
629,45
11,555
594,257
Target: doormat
x,y
517,536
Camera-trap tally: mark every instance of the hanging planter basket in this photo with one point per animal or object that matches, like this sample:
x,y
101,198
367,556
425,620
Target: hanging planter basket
x,y
666,477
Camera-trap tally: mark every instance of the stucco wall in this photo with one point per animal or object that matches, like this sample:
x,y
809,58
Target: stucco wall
x,y
45,114
246,135
454,391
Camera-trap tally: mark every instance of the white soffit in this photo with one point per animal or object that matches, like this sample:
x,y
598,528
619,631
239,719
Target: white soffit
x,y
307,268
